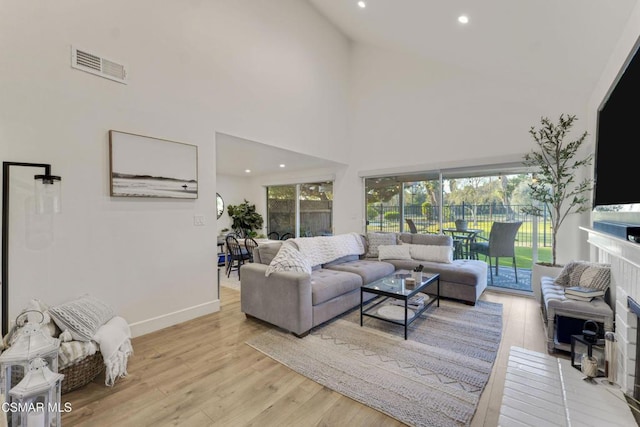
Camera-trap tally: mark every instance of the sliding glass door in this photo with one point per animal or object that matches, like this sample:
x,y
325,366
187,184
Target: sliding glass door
x,y
398,202
433,202
300,210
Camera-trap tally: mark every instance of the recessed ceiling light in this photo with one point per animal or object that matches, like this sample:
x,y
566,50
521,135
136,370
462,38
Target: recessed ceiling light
x,y
282,165
362,4
463,19
247,170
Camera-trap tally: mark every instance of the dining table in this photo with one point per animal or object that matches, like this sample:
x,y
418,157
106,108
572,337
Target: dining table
x,y
224,250
462,240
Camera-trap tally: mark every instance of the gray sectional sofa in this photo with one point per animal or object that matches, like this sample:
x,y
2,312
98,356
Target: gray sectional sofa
x,y
298,301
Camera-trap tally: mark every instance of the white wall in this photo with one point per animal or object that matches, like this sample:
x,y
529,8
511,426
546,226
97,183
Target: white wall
x,y
234,190
412,114
271,71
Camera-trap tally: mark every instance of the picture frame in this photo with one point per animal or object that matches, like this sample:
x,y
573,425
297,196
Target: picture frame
x,y
144,166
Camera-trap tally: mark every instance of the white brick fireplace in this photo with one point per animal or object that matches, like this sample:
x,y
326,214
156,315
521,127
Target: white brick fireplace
x,y
624,257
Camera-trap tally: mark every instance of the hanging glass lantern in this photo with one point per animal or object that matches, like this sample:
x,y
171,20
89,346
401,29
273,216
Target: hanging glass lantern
x,y
32,341
47,189
35,400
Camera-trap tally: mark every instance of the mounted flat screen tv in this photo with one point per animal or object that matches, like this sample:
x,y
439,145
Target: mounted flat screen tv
x,y
617,180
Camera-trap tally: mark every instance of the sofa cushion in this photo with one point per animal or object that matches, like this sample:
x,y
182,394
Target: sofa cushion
x,y
368,270
288,258
426,239
340,260
264,253
393,252
554,298
376,239
462,271
328,284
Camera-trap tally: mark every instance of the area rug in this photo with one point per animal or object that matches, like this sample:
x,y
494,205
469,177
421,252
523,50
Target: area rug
x,y
434,378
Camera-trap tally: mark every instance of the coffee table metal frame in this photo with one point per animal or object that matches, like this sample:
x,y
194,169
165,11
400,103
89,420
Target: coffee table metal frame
x,y
394,286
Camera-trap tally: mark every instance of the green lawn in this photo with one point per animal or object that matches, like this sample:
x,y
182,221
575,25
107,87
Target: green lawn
x,y
523,257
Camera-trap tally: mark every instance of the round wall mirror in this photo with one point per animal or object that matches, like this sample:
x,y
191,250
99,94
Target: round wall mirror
x,y
220,205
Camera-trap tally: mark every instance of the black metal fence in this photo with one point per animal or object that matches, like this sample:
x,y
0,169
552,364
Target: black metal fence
x,y
315,217
388,218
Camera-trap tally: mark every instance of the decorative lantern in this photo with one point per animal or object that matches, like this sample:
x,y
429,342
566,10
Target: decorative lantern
x,y
32,342
592,352
35,401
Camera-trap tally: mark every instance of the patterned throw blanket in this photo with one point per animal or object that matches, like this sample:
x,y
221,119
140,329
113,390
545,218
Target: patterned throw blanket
x,y
323,249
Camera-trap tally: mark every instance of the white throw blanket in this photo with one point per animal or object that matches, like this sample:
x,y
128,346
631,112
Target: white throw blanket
x,y
324,249
114,338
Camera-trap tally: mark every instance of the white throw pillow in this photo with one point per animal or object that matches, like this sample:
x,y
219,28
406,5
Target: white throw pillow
x,y
288,258
433,253
393,252
376,239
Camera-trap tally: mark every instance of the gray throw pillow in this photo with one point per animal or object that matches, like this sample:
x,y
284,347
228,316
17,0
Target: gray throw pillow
x,y
82,317
376,239
584,273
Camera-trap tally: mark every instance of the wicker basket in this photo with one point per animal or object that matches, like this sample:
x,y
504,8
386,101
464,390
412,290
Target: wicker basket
x,y
82,372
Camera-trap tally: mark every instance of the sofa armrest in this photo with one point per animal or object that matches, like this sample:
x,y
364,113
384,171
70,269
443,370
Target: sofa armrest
x,y
283,298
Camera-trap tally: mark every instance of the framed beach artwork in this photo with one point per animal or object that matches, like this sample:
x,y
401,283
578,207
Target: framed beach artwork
x,y
142,166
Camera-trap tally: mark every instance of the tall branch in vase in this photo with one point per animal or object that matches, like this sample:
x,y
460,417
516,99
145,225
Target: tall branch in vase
x,y
554,185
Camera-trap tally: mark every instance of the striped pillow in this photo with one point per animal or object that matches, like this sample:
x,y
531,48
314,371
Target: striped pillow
x,y
584,273
596,277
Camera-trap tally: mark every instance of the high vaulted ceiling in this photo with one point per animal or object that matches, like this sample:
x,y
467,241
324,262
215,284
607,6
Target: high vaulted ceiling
x,y
563,44
553,44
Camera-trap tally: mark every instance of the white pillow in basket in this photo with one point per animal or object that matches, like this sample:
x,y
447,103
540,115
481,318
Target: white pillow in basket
x,y
82,317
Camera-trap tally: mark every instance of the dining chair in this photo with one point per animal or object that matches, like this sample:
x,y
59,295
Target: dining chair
x,y
501,244
250,244
273,235
286,236
412,226
238,255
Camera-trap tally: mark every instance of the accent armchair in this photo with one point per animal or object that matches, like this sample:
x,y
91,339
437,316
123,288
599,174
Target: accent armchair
x,y
412,226
501,243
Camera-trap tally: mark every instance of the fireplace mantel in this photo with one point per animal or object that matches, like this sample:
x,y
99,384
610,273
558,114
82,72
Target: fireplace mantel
x,y
620,248
624,257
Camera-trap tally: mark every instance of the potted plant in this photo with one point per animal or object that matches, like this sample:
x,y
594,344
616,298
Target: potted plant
x,y
554,185
245,219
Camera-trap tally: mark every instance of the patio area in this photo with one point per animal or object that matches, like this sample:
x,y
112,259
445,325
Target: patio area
x,y
507,280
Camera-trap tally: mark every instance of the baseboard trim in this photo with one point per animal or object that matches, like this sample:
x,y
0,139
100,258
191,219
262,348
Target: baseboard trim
x,y
144,327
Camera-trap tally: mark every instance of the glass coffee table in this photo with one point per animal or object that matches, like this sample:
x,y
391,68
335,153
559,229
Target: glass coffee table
x,y
395,287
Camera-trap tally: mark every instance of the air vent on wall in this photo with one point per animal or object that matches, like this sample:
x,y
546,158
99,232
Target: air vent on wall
x,y
94,64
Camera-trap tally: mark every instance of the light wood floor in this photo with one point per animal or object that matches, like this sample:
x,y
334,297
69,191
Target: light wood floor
x,y
200,373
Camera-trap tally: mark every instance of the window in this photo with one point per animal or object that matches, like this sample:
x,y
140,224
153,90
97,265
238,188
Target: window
x,y
478,197
301,210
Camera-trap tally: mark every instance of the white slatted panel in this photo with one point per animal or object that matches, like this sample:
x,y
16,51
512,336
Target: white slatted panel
x,y
541,390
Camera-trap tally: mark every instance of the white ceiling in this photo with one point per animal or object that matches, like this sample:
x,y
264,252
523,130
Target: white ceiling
x,y
234,155
559,44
